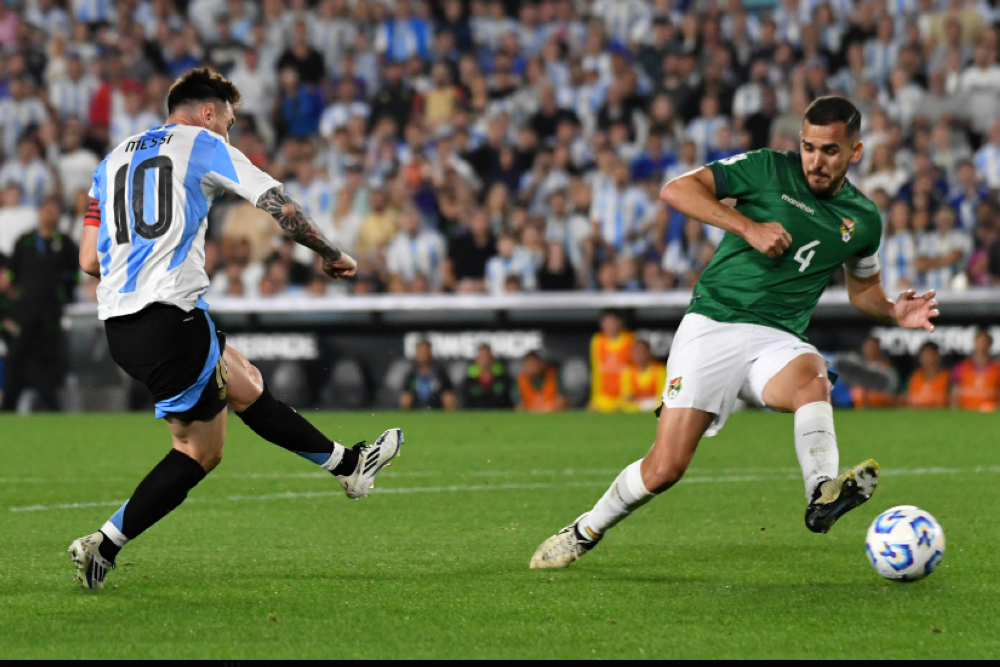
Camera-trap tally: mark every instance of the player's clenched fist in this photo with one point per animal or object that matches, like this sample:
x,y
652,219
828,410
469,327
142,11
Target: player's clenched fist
x,y
769,238
345,267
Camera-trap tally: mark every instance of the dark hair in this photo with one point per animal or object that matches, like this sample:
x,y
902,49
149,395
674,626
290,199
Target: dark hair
x,y
832,109
930,345
202,85
983,331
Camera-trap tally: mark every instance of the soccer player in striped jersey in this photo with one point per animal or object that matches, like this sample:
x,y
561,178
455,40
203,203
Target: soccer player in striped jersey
x,y
145,241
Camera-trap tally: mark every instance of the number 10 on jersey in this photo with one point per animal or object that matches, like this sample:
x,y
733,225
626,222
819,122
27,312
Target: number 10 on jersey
x,y
149,230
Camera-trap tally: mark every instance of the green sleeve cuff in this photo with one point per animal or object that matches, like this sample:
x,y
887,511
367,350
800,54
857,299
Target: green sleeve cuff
x,y
721,184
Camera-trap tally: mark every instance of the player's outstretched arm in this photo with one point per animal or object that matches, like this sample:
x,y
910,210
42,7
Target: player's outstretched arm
x,y
298,225
694,195
910,311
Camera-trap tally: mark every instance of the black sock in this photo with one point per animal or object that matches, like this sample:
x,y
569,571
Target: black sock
x,y
281,425
160,493
108,549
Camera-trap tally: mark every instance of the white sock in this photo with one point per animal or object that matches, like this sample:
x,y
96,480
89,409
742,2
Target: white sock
x,y
816,444
625,496
335,458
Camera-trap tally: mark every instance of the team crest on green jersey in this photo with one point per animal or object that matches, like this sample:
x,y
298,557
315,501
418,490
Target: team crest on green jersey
x,y
847,230
674,388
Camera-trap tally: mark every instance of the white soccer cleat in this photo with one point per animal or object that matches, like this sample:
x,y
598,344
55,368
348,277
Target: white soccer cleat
x,y
93,567
372,459
563,549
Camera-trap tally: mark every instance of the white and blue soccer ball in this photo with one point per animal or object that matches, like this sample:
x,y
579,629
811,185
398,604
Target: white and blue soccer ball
x,y
905,544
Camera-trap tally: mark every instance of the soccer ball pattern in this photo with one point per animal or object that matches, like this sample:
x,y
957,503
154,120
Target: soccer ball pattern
x,y
905,544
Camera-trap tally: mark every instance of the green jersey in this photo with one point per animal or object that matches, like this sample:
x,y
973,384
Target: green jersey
x,y
744,285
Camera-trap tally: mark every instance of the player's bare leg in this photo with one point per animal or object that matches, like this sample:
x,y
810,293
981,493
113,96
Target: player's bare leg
x,y
677,437
276,422
197,450
803,388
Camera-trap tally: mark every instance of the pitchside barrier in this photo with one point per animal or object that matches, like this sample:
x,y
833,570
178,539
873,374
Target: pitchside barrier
x,y
354,352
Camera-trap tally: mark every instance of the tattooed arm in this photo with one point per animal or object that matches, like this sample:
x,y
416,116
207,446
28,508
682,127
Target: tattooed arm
x,y
297,224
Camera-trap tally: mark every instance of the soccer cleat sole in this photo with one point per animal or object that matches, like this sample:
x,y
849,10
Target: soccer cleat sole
x,y
91,569
839,496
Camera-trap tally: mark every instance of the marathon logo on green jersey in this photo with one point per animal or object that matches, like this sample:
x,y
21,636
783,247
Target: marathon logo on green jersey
x,y
797,204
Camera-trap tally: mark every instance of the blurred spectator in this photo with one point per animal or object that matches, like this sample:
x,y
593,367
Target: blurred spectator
x,y
509,262
18,112
487,385
538,388
610,353
299,107
416,251
257,88
899,250
16,219
976,380
379,227
469,250
75,165
44,266
929,386
621,214
884,173
405,35
427,387
984,264
685,258
132,118
295,273
301,57
966,195
871,352
29,172
347,106
979,83
643,380
70,95
943,253
988,157
557,274
394,100
241,275
110,94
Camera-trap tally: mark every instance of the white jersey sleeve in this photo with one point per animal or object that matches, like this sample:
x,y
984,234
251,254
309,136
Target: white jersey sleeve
x,y
232,171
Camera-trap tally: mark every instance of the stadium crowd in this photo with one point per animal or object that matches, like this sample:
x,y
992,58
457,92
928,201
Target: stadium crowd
x,y
492,146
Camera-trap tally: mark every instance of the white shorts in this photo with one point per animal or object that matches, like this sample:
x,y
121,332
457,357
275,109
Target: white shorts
x,y
712,364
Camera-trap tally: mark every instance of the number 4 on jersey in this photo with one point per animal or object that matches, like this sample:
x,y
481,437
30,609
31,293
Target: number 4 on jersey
x,y
804,259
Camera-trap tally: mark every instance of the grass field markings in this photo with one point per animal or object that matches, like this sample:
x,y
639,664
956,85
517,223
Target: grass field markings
x,y
292,495
390,474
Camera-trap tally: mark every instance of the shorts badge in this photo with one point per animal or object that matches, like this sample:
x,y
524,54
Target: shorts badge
x,y
222,378
674,388
847,230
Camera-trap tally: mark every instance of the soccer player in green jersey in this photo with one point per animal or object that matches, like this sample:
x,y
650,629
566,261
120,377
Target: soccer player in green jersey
x,y
796,220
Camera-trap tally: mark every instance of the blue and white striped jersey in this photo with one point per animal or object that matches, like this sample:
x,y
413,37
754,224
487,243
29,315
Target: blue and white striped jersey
x,y
154,191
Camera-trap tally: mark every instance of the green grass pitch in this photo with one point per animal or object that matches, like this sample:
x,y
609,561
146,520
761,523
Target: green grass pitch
x,y
268,560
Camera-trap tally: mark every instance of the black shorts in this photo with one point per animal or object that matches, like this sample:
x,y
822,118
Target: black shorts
x,y
177,356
